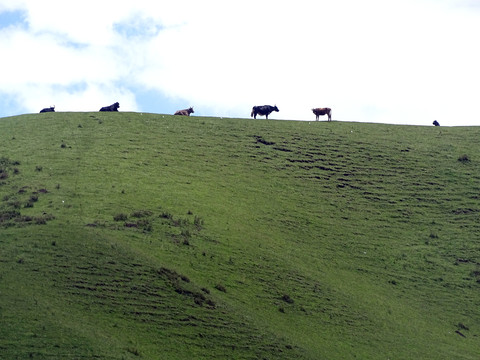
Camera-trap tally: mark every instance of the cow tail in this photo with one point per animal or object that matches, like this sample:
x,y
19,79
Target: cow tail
x,y
251,115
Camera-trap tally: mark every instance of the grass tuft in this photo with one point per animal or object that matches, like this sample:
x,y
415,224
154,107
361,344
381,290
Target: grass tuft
x,y
464,158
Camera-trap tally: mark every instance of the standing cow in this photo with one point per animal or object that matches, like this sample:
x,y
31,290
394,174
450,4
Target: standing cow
x,y
263,110
436,123
185,112
50,109
113,107
322,111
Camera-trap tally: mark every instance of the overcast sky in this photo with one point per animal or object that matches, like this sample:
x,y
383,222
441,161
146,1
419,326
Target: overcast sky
x,y
402,62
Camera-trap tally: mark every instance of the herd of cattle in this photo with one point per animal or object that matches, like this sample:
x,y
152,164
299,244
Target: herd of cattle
x,y
263,110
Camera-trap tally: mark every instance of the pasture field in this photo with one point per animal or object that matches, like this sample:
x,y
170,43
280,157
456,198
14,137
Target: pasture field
x,y
149,236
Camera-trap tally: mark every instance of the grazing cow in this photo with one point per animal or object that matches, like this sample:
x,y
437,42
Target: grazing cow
x,y
322,111
263,110
436,123
185,112
113,107
50,109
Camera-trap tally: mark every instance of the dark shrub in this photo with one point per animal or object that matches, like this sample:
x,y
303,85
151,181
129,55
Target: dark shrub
x,y
141,213
40,220
8,215
211,303
120,217
166,215
145,224
15,204
23,218
287,299
221,288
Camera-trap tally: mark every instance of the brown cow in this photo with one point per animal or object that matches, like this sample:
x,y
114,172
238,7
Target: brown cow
x,y
322,111
185,112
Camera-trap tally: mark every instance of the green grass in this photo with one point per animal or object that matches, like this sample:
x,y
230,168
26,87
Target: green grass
x,y
126,236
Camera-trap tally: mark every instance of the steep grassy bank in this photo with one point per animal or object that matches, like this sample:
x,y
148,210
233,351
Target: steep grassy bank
x,y
151,236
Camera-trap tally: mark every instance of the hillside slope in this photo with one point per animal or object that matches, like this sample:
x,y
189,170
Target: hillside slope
x,y
127,235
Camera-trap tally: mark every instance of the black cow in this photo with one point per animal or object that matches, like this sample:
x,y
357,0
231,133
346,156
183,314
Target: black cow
x,y
113,107
436,123
50,109
264,110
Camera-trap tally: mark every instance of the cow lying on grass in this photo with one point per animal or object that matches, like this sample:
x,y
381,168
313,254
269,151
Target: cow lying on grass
x,y
113,107
50,109
185,112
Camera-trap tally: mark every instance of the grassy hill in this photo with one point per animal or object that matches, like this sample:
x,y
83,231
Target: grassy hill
x,y
130,236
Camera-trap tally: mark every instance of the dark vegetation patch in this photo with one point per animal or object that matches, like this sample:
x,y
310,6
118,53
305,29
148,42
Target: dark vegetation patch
x,y
287,299
465,211
261,140
24,197
284,149
475,274
7,167
141,213
180,230
464,158
221,288
181,285
120,217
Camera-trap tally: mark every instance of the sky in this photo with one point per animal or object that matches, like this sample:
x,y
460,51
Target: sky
x,y
382,61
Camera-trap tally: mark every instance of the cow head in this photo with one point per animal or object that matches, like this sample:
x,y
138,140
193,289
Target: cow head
x,y
275,108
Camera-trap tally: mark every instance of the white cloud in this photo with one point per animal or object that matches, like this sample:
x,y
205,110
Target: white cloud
x,y
399,62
